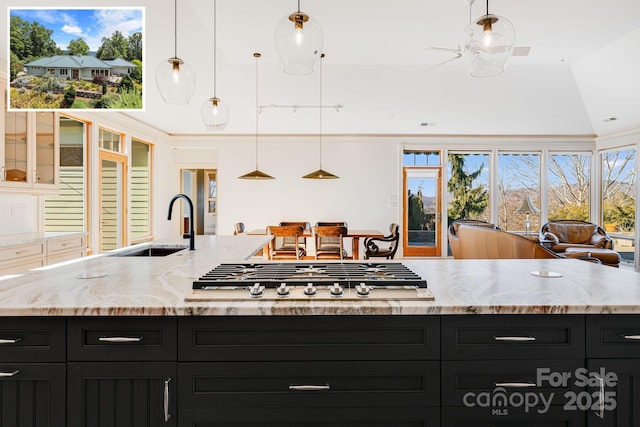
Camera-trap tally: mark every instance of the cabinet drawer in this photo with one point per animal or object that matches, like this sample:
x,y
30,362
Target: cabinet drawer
x,y
64,244
613,336
122,338
512,337
511,417
14,252
309,338
308,384
242,416
32,339
462,382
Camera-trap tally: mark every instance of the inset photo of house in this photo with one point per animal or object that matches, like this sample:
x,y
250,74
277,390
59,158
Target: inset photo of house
x,y
77,58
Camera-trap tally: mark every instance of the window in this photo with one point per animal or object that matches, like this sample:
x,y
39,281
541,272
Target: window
x,y
468,186
619,199
421,158
110,141
51,71
568,186
518,178
141,201
66,211
64,72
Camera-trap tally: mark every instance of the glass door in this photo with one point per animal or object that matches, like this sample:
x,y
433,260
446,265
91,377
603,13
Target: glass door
x,y
113,177
422,206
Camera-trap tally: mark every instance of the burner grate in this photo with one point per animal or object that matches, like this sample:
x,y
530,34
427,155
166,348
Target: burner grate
x,y
273,275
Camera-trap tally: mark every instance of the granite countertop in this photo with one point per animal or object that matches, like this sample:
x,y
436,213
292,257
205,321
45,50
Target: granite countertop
x,y
157,286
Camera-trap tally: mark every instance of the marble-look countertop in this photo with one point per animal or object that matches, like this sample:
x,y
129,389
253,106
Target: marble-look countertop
x,y
21,238
105,285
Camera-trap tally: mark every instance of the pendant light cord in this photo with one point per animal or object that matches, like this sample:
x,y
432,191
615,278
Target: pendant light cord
x,y
320,85
298,6
215,50
487,7
175,28
257,56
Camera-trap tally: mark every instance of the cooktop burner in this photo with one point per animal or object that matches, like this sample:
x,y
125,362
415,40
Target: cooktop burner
x,y
310,280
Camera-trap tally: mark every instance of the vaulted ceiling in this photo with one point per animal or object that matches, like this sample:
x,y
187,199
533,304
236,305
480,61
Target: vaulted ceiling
x,y
581,70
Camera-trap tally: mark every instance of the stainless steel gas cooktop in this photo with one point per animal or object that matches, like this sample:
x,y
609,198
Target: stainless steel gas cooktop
x,y
309,281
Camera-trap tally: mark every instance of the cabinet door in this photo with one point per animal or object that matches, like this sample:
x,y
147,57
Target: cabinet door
x,y
623,390
33,395
16,152
121,394
555,416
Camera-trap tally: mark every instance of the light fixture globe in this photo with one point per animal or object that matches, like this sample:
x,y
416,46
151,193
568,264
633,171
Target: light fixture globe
x,y
176,81
299,39
487,45
215,113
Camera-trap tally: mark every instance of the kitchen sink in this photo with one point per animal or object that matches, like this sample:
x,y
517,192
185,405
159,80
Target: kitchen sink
x,y
151,251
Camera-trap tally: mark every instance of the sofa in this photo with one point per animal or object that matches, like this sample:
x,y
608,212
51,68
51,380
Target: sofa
x,y
452,232
569,236
489,243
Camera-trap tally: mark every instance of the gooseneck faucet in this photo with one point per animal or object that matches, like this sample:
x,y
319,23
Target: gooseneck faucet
x,y
192,234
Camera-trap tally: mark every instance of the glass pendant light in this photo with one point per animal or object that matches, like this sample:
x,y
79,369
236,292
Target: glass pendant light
x,y
320,173
299,42
487,45
175,79
257,173
214,111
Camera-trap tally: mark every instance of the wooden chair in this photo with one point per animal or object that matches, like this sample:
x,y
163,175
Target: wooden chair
x,y
329,241
285,243
373,250
238,228
305,227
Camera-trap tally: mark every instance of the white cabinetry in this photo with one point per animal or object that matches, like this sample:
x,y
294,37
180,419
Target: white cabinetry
x,y
29,147
27,253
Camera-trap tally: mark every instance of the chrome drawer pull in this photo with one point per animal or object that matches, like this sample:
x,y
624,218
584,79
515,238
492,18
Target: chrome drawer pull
x,y
120,339
600,412
310,387
630,337
9,340
515,385
515,339
8,374
165,402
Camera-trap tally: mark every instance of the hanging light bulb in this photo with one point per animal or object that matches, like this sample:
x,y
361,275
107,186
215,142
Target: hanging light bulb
x,y
257,173
299,40
214,111
487,45
175,79
320,173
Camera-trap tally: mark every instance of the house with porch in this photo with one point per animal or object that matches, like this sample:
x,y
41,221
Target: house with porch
x,y
77,67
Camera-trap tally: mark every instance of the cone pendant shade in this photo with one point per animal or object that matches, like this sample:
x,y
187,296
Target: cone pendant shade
x,y
321,174
257,173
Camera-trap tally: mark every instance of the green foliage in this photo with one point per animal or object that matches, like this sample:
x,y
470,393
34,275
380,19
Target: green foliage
x,y
126,84
33,99
569,211
78,47
116,46
466,201
622,215
69,97
41,42
134,51
128,100
19,39
48,83
80,104
416,214
15,65
136,73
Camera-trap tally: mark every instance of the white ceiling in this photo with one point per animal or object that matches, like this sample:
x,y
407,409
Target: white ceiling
x,y
582,68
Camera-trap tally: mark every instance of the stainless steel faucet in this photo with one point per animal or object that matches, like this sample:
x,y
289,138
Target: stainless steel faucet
x,y
192,234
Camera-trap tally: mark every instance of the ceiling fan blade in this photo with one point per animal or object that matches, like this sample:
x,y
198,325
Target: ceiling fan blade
x,y
440,64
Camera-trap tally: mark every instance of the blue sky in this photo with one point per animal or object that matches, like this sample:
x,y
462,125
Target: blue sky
x,y
89,24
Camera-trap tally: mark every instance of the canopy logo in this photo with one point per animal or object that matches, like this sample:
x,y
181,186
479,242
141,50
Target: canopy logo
x,y
538,398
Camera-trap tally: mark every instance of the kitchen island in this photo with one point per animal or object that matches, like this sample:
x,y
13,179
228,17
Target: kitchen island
x,y
109,340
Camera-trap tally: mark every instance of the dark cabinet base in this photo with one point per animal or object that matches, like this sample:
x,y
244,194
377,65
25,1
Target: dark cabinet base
x,y
313,417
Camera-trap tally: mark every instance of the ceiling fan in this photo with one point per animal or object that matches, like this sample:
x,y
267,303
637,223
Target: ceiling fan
x,y
457,52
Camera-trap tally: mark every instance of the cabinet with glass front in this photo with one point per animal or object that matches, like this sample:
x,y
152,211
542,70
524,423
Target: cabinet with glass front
x,y
30,155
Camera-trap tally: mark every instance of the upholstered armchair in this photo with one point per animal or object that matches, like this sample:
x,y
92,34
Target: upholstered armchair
x,y
452,232
372,244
